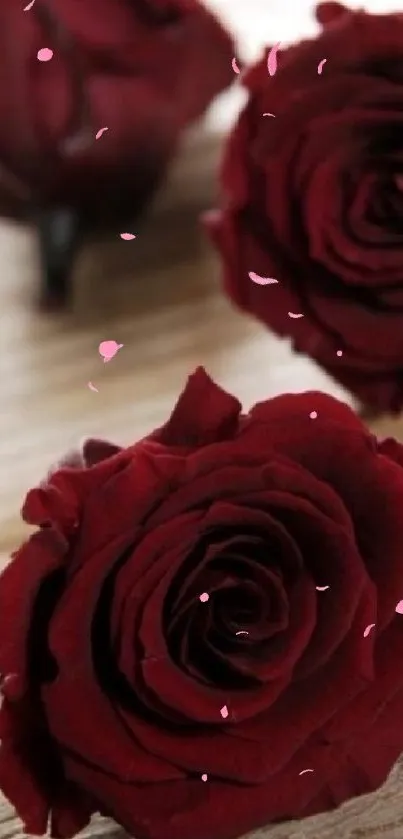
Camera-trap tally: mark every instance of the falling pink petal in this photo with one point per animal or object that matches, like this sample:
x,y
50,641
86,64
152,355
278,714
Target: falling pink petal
x,y
100,132
234,66
295,315
305,770
204,777
92,387
108,349
321,588
268,115
321,65
272,59
256,278
242,632
224,712
368,629
204,597
44,54
127,236
27,8
339,353
399,607
313,414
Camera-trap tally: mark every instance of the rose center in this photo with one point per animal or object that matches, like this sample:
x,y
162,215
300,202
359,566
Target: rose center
x,y
220,639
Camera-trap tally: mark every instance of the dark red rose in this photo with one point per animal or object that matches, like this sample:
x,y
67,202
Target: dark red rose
x,y
143,69
313,197
183,716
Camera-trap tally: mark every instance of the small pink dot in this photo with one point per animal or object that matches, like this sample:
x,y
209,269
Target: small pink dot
x,y
339,353
224,712
313,414
204,777
204,597
44,54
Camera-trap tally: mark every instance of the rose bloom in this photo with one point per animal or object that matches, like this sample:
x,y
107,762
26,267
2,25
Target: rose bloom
x,y
184,716
312,197
143,69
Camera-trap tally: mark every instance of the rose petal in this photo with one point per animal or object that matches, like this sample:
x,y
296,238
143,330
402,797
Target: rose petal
x,y
95,451
314,701
203,414
295,406
77,687
20,583
60,499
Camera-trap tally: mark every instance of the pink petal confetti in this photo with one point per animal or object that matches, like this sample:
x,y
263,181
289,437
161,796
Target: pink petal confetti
x,y
305,770
234,66
204,777
127,236
399,607
272,59
27,8
339,353
256,278
267,114
321,588
204,597
313,414
321,65
368,629
242,632
294,315
44,54
108,349
100,132
92,387
224,712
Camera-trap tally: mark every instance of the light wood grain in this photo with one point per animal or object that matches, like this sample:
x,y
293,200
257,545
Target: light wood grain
x,y
160,296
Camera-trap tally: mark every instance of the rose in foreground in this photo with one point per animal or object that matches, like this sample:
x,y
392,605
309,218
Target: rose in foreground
x,y
143,69
313,197
181,715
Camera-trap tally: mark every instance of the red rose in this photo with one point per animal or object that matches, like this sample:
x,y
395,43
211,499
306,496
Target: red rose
x,y
313,199
125,690
143,69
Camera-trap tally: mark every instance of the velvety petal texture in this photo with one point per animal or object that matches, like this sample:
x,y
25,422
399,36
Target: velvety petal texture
x,y
201,617
141,70
312,197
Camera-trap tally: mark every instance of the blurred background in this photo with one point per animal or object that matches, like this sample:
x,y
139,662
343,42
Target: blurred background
x,y
159,295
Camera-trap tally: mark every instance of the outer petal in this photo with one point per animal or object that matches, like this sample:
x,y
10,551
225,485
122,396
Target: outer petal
x,y
31,774
204,414
20,583
60,500
290,407
76,686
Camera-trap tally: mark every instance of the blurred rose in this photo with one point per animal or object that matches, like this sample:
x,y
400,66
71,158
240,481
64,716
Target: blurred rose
x,y
313,198
143,69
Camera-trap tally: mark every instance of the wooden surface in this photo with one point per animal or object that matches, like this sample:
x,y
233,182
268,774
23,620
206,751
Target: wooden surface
x,y
160,296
